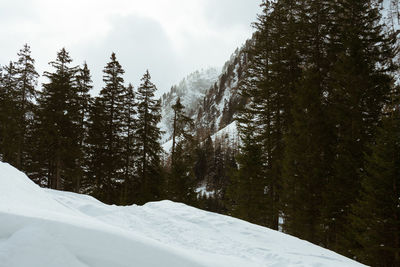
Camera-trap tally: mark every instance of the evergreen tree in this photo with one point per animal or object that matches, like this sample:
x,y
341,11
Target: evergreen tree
x,y
56,125
307,142
9,114
246,190
25,94
181,181
95,150
376,215
147,137
359,83
129,126
305,166
209,170
267,111
200,164
83,103
106,134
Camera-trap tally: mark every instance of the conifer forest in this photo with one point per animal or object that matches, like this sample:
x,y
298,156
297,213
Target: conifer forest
x,y
317,112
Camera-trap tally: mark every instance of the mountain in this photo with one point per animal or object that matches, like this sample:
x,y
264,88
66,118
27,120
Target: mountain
x,y
211,98
222,100
42,227
191,90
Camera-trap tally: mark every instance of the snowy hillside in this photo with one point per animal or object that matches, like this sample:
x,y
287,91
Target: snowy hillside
x,y
227,135
191,90
47,228
211,98
222,101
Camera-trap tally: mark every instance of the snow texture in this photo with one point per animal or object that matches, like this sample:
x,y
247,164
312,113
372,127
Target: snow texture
x,y
47,228
191,90
228,135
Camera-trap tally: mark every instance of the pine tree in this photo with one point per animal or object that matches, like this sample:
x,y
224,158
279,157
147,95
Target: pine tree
x,y
200,165
147,137
181,179
267,112
129,126
246,190
82,103
305,165
56,128
25,94
95,150
209,170
9,114
359,83
376,215
178,128
106,134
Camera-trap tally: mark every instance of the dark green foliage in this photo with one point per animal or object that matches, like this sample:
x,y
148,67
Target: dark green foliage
x,y
305,165
262,122
246,191
57,125
82,104
181,180
129,126
376,215
95,150
359,83
209,157
9,114
25,93
105,134
147,136
318,76
17,95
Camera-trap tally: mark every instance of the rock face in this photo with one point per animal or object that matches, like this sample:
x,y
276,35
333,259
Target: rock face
x,y
191,90
211,97
222,100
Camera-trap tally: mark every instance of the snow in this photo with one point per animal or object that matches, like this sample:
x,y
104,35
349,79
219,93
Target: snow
x,y
167,146
42,227
191,90
229,133
202,191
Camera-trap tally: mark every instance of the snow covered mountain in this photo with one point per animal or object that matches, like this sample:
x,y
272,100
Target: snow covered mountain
x,y
211,98
47,228
191,90
222,101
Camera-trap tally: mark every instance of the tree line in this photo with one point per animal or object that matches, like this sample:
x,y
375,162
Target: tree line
x,y
63,138
108,145
319,150
320,153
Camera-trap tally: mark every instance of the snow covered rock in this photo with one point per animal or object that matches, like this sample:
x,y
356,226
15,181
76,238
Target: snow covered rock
x,y
47,228
191,90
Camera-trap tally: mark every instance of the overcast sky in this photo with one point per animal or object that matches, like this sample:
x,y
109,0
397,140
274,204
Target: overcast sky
x,y
171,38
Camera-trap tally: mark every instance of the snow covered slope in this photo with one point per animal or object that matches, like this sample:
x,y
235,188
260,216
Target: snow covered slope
x,y
47,228
228,135
191,90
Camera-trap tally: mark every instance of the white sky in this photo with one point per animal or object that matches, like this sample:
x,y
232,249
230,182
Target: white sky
x,y
171,38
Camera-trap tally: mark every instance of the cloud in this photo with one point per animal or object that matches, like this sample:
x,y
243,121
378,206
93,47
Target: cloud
x,y
169,37
228,14
139,43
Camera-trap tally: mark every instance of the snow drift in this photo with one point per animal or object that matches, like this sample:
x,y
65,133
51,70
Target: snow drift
x,y
47,228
